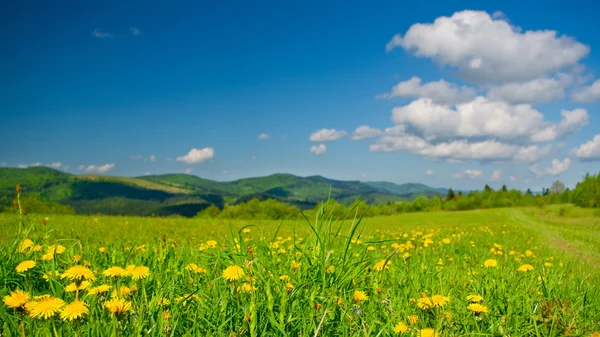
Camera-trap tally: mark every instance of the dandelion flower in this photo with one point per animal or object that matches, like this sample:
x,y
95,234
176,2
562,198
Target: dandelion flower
x,y
289,287
47,276
233,273
122,291
115,271
211,243
477,308
295,265
47,257
381,265
525,268
490,263
474,298
78,273
139,272
76,258
247,288
413,319
284,277
195,268
73,286
25,245
99,289
330,269
16,299
401,328
25,266
427,332
45,307
163,301
102,250
74,310
360,296
55,249
117,306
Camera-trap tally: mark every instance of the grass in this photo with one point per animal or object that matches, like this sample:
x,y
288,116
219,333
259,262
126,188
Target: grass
x,y
308,278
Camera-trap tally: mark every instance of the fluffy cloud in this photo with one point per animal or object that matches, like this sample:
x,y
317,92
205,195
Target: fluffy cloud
x,y
325,135
440,92
486,48
484,118
188,171
264,136
364,132
496,175
588,94
100,34
318,149
197,156
152,158
589,150
473,174
557,168
97,169
539,90
56,165
429,172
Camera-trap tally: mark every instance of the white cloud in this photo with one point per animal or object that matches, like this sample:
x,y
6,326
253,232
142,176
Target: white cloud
x,y
188,171
364,132
490,49
152,158
429,172
56,165
318,149
197,156
135,31
35,164
147,173
225,172
97,169
325,135
539,90
496,175
589,150
100,34
441,92
21,166
588,94
264,136
473,174
557,168
484,118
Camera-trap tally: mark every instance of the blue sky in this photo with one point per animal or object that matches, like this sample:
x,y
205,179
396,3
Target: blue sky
x,y
104,86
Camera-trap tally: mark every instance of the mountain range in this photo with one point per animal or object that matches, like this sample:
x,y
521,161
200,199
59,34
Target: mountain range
x,y
186,194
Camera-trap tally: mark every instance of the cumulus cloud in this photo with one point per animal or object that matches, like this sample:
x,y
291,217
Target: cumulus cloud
x,y
100,34
97,169
588,94
197,156
484,118
56,165
557,167
429,172
325,135
264,136
496,175
364,132
440,92
318,149
486,48
539,90
152,158
188,171
589,150
473,174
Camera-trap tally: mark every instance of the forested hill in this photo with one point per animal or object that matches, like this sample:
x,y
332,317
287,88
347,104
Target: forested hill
x,y
185,194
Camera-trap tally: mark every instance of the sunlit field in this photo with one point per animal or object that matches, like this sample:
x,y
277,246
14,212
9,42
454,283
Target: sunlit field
x,y
498,272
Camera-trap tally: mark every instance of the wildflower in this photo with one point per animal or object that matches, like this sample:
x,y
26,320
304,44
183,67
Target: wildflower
x,y
45,307
381,265
412,319
525,268
370,248
99,289
76,258
233,273
55,249
433,301
490,263
25,245
47,257
330,269
25,266
16,299
401,328
547,264
295,265
138,272
289,287
477,308
102,250
247,288
73,286
359,296
211,243
474,298
36,248
47,276
184,299
338,300
162,301
195,268
246,230
74,310
427,332
78,273
117,306
115,272
284,277
440,262
166,315
121,291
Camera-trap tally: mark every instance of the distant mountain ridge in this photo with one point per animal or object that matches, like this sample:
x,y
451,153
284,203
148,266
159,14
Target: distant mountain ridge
x,y
186,195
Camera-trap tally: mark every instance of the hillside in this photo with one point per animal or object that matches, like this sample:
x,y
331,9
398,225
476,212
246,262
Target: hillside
x,y
185,194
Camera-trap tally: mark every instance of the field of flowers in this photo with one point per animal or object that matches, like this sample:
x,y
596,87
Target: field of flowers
x,y
503,272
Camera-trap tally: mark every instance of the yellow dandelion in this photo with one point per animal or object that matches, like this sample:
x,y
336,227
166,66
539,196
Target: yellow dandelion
x,y
233,273
47,276
289,287
47,257
45,307
401,328
25,245
547,264
139,272
16,299
359,296
381,265
246,230
25,266
474,298
98,290
115,271
525,268
55,249
295,265
102,250
78,273
413,319
284,277
162,301
370,248
427,332
446,240
211,243
166,315
121,291
36,248
330,269
490,263
74,310
117,306
76,258
477,308
247,288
